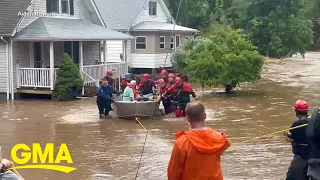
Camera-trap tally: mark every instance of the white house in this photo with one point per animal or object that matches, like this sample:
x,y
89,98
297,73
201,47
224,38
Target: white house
x,y
150,22
34,35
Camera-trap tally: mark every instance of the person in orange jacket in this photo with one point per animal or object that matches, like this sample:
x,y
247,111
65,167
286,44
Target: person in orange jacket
x,y
196,153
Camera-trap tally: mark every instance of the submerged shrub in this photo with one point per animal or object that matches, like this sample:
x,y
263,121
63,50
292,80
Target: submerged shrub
x,y
69,82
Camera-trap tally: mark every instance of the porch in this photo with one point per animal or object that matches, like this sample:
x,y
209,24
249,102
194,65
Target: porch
x,y
38,51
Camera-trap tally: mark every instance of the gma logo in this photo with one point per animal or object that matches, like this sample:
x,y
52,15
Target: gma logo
x,y
42,159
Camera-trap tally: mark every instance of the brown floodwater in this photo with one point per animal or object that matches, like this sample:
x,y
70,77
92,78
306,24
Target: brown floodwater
x,y
111,148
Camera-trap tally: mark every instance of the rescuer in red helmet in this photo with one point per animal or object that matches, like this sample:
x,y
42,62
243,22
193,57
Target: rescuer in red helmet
x,y
146,85
297,138
181,91
108,77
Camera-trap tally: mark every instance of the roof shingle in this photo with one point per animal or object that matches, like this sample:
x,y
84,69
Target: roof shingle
x,y
119,14
62,29
9,18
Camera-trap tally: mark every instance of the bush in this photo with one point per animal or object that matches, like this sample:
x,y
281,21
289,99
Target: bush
x,y
69,82
223,56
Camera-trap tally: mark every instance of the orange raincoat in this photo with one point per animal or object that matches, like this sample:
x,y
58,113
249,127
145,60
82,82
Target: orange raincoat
x,y
196,155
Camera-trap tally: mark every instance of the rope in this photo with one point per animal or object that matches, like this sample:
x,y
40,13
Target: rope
x,y
270,134
174,38
144,145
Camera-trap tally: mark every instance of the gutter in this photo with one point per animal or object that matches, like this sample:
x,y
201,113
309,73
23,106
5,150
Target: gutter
x,y
7,64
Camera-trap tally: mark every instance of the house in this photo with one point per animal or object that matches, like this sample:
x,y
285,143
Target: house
x,y
34,35
152,25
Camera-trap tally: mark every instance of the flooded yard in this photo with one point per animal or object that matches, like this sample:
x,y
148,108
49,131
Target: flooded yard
x,y
111,148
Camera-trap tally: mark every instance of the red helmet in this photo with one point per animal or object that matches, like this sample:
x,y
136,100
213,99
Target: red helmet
x,y
164,72
171,75
146,76
301,105
109,72
178,80
161,81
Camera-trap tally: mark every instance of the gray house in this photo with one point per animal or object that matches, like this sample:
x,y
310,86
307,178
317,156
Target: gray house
x,y
34,35
154,29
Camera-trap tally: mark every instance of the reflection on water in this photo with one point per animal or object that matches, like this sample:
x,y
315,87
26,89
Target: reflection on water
x,y
111,148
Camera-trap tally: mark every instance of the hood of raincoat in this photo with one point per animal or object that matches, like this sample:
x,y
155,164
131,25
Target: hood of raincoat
x,y
206,141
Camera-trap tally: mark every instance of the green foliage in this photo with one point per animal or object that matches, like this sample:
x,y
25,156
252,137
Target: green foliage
x,y
223,56
69,83
277,28
311,11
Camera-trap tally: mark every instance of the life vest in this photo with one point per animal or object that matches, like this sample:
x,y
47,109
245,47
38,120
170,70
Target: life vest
x,y
313,136
134,90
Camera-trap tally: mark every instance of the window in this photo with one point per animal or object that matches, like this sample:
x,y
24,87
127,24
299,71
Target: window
x,y
162,42
65,6
172,43
60,6
54,6
72,49
177,41
141,42
152,8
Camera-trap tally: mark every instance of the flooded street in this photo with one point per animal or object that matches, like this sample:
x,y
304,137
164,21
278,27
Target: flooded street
x,y
110,149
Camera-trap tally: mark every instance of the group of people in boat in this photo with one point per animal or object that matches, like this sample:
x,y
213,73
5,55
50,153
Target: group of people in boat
x,y
174,91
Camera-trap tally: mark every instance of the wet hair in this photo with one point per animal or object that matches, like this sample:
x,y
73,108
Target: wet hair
x,y
195,111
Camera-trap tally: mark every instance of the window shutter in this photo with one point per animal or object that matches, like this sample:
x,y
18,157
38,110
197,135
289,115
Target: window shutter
x,y
71,7
48,6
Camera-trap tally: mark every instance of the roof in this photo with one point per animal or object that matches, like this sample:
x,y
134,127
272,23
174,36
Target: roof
x,y
9,18
120,14
160,26
60,29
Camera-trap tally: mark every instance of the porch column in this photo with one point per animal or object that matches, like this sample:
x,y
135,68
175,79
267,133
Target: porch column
x,y
81,64
104,52
51,66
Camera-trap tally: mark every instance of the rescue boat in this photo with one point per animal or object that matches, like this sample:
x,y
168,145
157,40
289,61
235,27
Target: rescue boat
x,y
143,107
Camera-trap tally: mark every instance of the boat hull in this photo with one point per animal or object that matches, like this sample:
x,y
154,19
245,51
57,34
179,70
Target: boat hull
x,y
140,109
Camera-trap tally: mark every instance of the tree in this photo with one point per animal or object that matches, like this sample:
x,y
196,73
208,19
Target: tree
x,y
69,83
311,10
223,56
277,28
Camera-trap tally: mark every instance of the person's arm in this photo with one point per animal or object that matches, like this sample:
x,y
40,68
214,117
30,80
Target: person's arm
x,y
131,95
194,95
226,145
102,94
290,135
9,164
176,164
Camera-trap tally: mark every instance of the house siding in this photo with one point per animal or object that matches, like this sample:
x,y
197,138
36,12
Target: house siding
x,y
20,51
91,52
168,40
114,48
129,54
81,11
150,43
144,15
142,61
3,68
162,60
39,6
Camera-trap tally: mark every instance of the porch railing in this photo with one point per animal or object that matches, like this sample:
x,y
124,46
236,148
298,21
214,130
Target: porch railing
x,y
35,77
98,71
